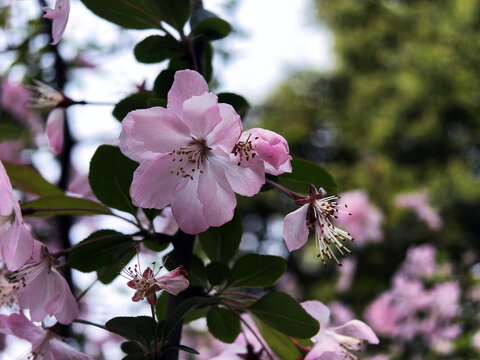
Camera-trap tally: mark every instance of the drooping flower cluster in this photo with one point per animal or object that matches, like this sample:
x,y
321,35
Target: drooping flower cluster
x,y
147,283
411,309
318,211
188,154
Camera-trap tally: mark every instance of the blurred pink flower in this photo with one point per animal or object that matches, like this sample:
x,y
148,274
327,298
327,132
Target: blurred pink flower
x,y
16,243
81,186
317,211
476,341
54,129
14,98
10,150
45,344
147,283
346,274
364,221
59,17
184,154
267,146
336,343
165,222
43,290
340,313
418,202
420,261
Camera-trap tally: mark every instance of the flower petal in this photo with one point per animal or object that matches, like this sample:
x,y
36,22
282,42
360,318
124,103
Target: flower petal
x,y
19,252
228,131
295,230
174,282
54,129
327,348
319,311
201,114
187,83
357,329
246,181
148,132
59,15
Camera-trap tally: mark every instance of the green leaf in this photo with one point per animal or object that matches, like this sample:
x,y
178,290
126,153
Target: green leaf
x,y
305,173
278,342
164,82
197,272
283,313
152,102
62,205
239,103
173,12
183,348
217,273
221,244
254,270
110,176
223,324
131,348
161,306
174,317
28,179
207,26
104,251
115,11
156,48
132,102
137,329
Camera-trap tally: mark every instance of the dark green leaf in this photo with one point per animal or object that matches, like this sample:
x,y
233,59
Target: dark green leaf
x,y
174,12
152,102
305,173
156,48
285,314
163,83
220,244
132,102
278,342
217,273
223,324
130,16
110,176
254,270
174,317
155,245
238,102
28,179
161,306
62,205
137,329
132,349
208,26
197,272
104,251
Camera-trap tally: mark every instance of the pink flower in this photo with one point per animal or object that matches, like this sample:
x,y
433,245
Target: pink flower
x,y
54,129
81,186
43,290
184,152
317,211
45,344
418,202
346,274
59,17
365,220
267,146
147,283
336,342
14,98
16,243
420,261
165,222
10,150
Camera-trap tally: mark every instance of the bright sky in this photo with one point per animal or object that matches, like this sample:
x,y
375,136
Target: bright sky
x,y
272,37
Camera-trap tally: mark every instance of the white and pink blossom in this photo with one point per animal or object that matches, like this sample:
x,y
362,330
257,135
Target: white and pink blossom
x,y
43,290
317,211
16,243
46,345
59,17
184,154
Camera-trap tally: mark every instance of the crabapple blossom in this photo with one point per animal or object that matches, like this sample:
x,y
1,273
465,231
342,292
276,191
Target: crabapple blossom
x,y
14,98
418,202
16,243
43,290
267,146
147,283
46,345
59,17
54,129
365,220
184,154
336,342
317,211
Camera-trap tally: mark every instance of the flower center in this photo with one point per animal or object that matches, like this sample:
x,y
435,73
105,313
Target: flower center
x,y
244,150
190,158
